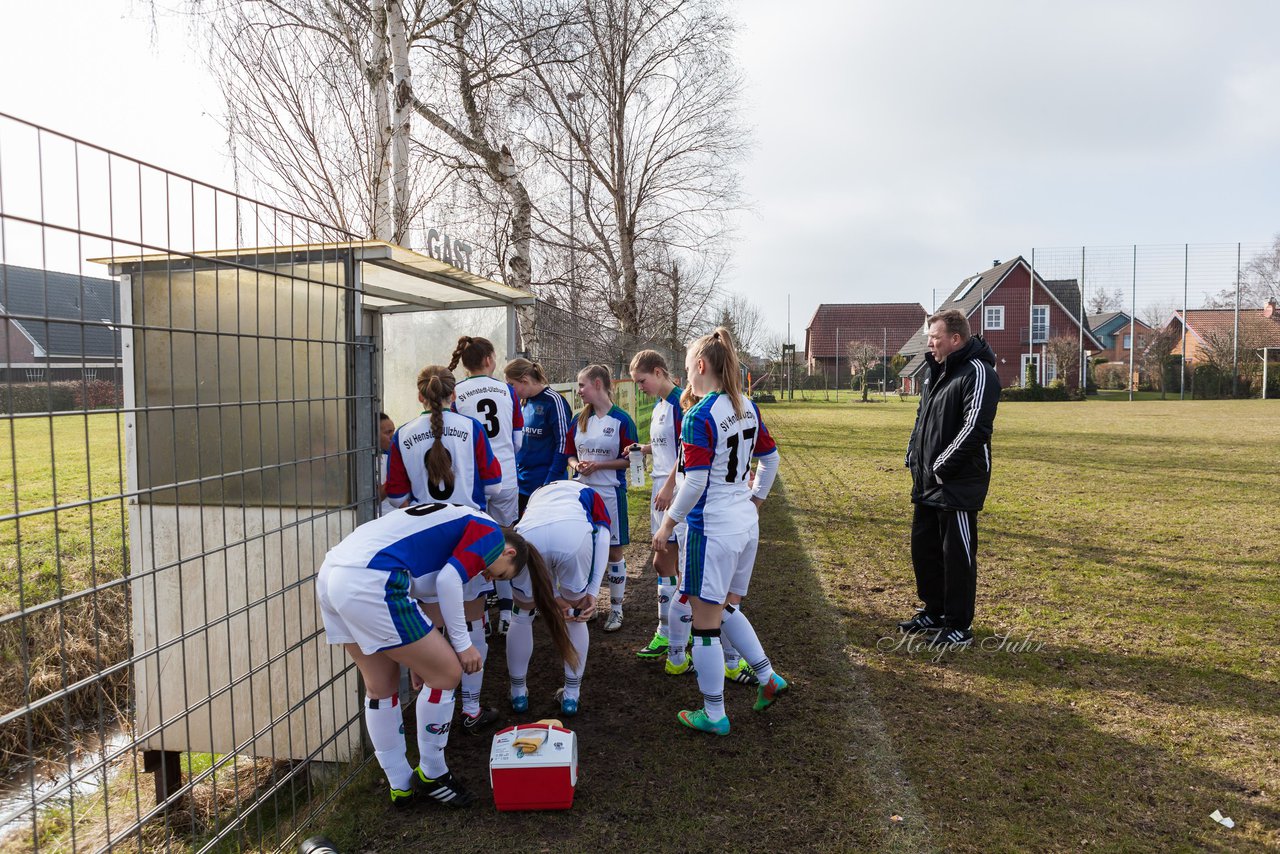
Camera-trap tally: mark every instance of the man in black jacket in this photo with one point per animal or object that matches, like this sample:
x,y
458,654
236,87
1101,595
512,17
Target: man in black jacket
x,y
950,460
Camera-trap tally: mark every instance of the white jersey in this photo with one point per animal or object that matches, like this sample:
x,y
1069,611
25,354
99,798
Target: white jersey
x,y
561,521
561,502
474,465
664,434
423,540
604,440
497,407
715,438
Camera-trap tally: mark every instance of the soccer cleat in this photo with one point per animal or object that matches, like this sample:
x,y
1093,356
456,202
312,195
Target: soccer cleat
x,y
921,624
685,666
656,648
520,704
445,790
613,622
480,722
402,799
767,693
568,705
697,719
949,638
742,674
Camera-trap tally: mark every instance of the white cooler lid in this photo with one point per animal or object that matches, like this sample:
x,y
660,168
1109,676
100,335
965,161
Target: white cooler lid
x,y
560,748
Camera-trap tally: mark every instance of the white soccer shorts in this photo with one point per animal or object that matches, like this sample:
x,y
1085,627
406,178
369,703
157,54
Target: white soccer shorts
x,y
575,553
369,607
504,508
711,567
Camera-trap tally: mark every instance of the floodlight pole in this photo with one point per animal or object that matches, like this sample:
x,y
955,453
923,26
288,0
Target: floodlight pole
x,y
1133,320
1182,368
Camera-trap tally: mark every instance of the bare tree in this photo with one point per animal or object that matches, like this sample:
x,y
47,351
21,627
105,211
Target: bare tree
x,y
641,116
1259,281
863,356
1155,356
746,321
1064,350
1158,311
1102,300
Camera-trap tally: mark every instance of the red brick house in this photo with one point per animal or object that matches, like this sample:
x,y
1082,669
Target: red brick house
x,y
58,326
834,326
1017,318
1257,328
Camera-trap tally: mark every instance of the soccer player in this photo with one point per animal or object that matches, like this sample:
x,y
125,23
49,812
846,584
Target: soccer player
x,y
366,589
649,370
494,404
541,458
598,445
721,435
445,456
386,430
567,525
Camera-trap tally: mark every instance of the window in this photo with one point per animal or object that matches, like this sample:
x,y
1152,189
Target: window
x,y
35,375
1039,324
995,317
1128,342
1050,369
90,374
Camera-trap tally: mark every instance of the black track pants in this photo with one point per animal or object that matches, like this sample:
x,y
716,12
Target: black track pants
x,y
944,553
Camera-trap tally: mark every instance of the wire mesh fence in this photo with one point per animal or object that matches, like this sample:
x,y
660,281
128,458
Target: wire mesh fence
x,y
187,429
1185,321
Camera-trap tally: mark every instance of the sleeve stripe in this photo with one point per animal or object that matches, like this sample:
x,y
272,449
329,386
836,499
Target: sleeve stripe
x,y
971,417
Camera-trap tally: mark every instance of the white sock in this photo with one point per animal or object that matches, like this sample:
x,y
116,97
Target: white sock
x,y
503,589
731,657
385,722
472,682
738,628
581,639
435,712
708,660
680,622
617,585
519,649
666,592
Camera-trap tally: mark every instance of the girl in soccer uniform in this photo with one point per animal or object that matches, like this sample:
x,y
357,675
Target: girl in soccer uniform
x,y
494,404
366,589
386,434
541,458
649,370
720,436
598,444
444,456
568,525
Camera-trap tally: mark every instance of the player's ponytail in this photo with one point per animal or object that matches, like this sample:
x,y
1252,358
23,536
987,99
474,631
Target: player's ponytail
x,y
543,596
718,352
435,387
523,369
590,374
472,352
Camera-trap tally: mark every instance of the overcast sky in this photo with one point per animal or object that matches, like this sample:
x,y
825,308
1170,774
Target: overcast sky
x,y
899,145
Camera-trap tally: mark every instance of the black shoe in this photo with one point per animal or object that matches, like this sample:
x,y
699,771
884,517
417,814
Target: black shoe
x,y
444,790
481,722
921,624
951,638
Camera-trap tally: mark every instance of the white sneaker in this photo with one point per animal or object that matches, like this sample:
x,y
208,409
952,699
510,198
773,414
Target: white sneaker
x,y
613,622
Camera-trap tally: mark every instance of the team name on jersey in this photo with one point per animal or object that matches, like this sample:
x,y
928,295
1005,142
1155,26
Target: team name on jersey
x,y
747,415
470,393
456,432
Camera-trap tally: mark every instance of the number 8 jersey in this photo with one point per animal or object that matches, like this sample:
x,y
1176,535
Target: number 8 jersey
x,y
473,462
719,440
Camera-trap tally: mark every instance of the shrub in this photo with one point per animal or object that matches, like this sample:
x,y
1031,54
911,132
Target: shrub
x,y
1055,391
61,396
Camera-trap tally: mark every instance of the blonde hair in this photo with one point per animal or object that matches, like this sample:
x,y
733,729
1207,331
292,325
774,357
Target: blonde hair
x,y
592,373
717,350
648,361
471,352
523,369
436,385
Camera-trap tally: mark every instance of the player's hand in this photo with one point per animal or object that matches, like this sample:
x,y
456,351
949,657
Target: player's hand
x,y
586,607
662,500
470,660
660,539
757,501
586,467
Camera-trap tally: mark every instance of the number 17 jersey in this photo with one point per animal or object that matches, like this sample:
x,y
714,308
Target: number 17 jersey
x,y
718,440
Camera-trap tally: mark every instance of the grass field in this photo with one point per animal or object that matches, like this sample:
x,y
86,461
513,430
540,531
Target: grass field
x,y
1124,685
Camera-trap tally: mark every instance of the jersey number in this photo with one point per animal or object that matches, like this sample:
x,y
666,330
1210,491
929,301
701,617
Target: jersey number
x,y
748,439
489,409
439,492
424,509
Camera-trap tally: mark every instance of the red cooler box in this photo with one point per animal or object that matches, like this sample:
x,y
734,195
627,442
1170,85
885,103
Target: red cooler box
x,y
542,780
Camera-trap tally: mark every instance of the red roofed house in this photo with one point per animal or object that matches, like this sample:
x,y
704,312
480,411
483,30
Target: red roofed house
x,y
1016,319
834,326
1258,328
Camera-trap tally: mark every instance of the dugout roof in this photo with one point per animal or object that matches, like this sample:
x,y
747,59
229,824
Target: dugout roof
x,y
390,277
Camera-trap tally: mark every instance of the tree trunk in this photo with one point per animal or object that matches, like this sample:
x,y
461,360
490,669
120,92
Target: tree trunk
x,y
519,265
402,85
383,222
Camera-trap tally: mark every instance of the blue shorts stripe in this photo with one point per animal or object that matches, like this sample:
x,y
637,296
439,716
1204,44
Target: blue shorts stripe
x,y
624,519
695,554
407,618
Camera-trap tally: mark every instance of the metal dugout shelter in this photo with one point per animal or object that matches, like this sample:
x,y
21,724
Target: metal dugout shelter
x,y
252,384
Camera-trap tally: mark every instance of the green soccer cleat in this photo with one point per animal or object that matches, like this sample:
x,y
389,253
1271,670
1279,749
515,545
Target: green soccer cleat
x,y
402,799
685,666
697,719
742,674
656,648
767,693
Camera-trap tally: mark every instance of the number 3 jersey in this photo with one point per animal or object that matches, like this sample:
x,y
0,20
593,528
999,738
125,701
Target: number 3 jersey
x,y
474,465
717,439
495,405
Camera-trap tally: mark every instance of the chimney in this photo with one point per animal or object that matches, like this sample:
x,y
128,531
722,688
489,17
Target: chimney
x,y
995,262
1270,309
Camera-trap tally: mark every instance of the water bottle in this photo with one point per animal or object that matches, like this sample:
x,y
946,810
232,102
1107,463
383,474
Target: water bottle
x,y
637,466
317,845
